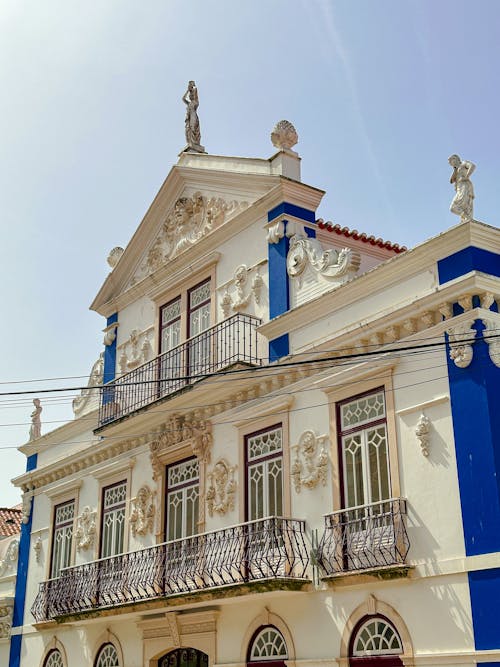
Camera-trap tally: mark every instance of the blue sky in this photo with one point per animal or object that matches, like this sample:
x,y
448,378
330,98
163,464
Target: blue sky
x,y
380,91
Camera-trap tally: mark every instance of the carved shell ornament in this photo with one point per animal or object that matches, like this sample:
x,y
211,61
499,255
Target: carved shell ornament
x,y
114,256
284,136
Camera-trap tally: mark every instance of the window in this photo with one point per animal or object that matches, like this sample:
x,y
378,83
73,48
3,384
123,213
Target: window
x,y
107,657
182,499
184,657
268,645
264,459
62,537
375,643
53,659
363,450
113,519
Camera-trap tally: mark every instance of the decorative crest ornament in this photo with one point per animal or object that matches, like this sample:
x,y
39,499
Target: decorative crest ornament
x,y
136,351
463,200
36,422
311,461
284,136
143,511
222,490
461,338
422,431
193,429
114,256
242,296
85,529
10,557
192,123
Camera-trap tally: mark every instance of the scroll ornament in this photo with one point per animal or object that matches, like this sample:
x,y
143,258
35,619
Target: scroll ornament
x,y
491,334
461,338
182,428
330,264
85,529
26,507
80,403
10,557
143,511
311,461
222,490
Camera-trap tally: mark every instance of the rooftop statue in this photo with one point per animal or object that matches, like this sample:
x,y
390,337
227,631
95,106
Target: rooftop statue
x,y
464,197
36,422
193,133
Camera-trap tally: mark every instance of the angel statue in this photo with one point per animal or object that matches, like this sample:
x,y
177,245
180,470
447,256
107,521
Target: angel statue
x,y
193,133
464,191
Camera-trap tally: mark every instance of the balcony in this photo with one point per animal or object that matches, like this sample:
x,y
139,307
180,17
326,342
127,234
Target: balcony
x,y
271,549
367,537
230,342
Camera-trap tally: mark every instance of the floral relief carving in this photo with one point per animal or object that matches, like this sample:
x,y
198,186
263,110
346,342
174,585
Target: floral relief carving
x,y
330,264
190,219
10,557
191,428
85,529
5,620
136,351
85,400
222,490
242,293
311,461
491,334
143,511
422,433
461,338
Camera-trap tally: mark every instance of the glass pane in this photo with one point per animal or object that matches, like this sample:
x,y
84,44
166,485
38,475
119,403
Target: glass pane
x,y
256,491
362,410
353,471
171,336
199,294
265,443
379,463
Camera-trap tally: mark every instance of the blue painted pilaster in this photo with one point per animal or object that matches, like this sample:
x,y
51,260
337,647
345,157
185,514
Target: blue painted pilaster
x,y
109,373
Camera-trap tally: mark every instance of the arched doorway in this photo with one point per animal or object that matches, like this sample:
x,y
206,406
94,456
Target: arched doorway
x,y
267,648
375,642
184,657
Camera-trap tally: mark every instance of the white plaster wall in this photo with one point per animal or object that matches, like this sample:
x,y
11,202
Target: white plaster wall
x,y
139,315
65,442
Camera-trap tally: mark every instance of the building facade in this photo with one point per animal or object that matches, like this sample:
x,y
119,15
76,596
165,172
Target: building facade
x,y
294,457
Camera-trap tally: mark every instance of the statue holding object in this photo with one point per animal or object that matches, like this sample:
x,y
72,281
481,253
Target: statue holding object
x,y
193,132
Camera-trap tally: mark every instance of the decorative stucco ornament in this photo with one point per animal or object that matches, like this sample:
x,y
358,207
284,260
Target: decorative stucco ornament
x,y
37,548
330,264
114,256
422,431
284,136
6,611
136,351
143,511
192,122
311,461
192,429
463,200
84,402
36,422
241,297
85,529
222,490
26,507
491,334
461,338
9,560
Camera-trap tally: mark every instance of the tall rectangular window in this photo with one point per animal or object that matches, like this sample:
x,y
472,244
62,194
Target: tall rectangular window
x,y
182,499
199,356
364,450
62,537
113,519
264,458
170,323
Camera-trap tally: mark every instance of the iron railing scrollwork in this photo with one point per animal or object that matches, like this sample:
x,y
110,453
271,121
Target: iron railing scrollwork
x,y
364,537
271,548
229,342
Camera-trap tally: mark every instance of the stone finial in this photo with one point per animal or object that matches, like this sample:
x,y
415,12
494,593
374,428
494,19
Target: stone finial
x,y
284,136
114,256
464,191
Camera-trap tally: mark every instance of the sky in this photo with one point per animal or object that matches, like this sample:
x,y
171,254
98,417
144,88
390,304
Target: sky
x,y
381,93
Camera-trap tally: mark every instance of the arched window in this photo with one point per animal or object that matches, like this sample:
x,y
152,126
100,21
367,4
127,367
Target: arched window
x,y
376,641
53,659
107,657
184,657
268,645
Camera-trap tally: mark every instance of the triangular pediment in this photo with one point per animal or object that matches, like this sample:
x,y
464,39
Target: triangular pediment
x,y
191,204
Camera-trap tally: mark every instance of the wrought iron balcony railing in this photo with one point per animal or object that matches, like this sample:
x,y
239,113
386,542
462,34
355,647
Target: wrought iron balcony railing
x,y
365,537
266,549
231,341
